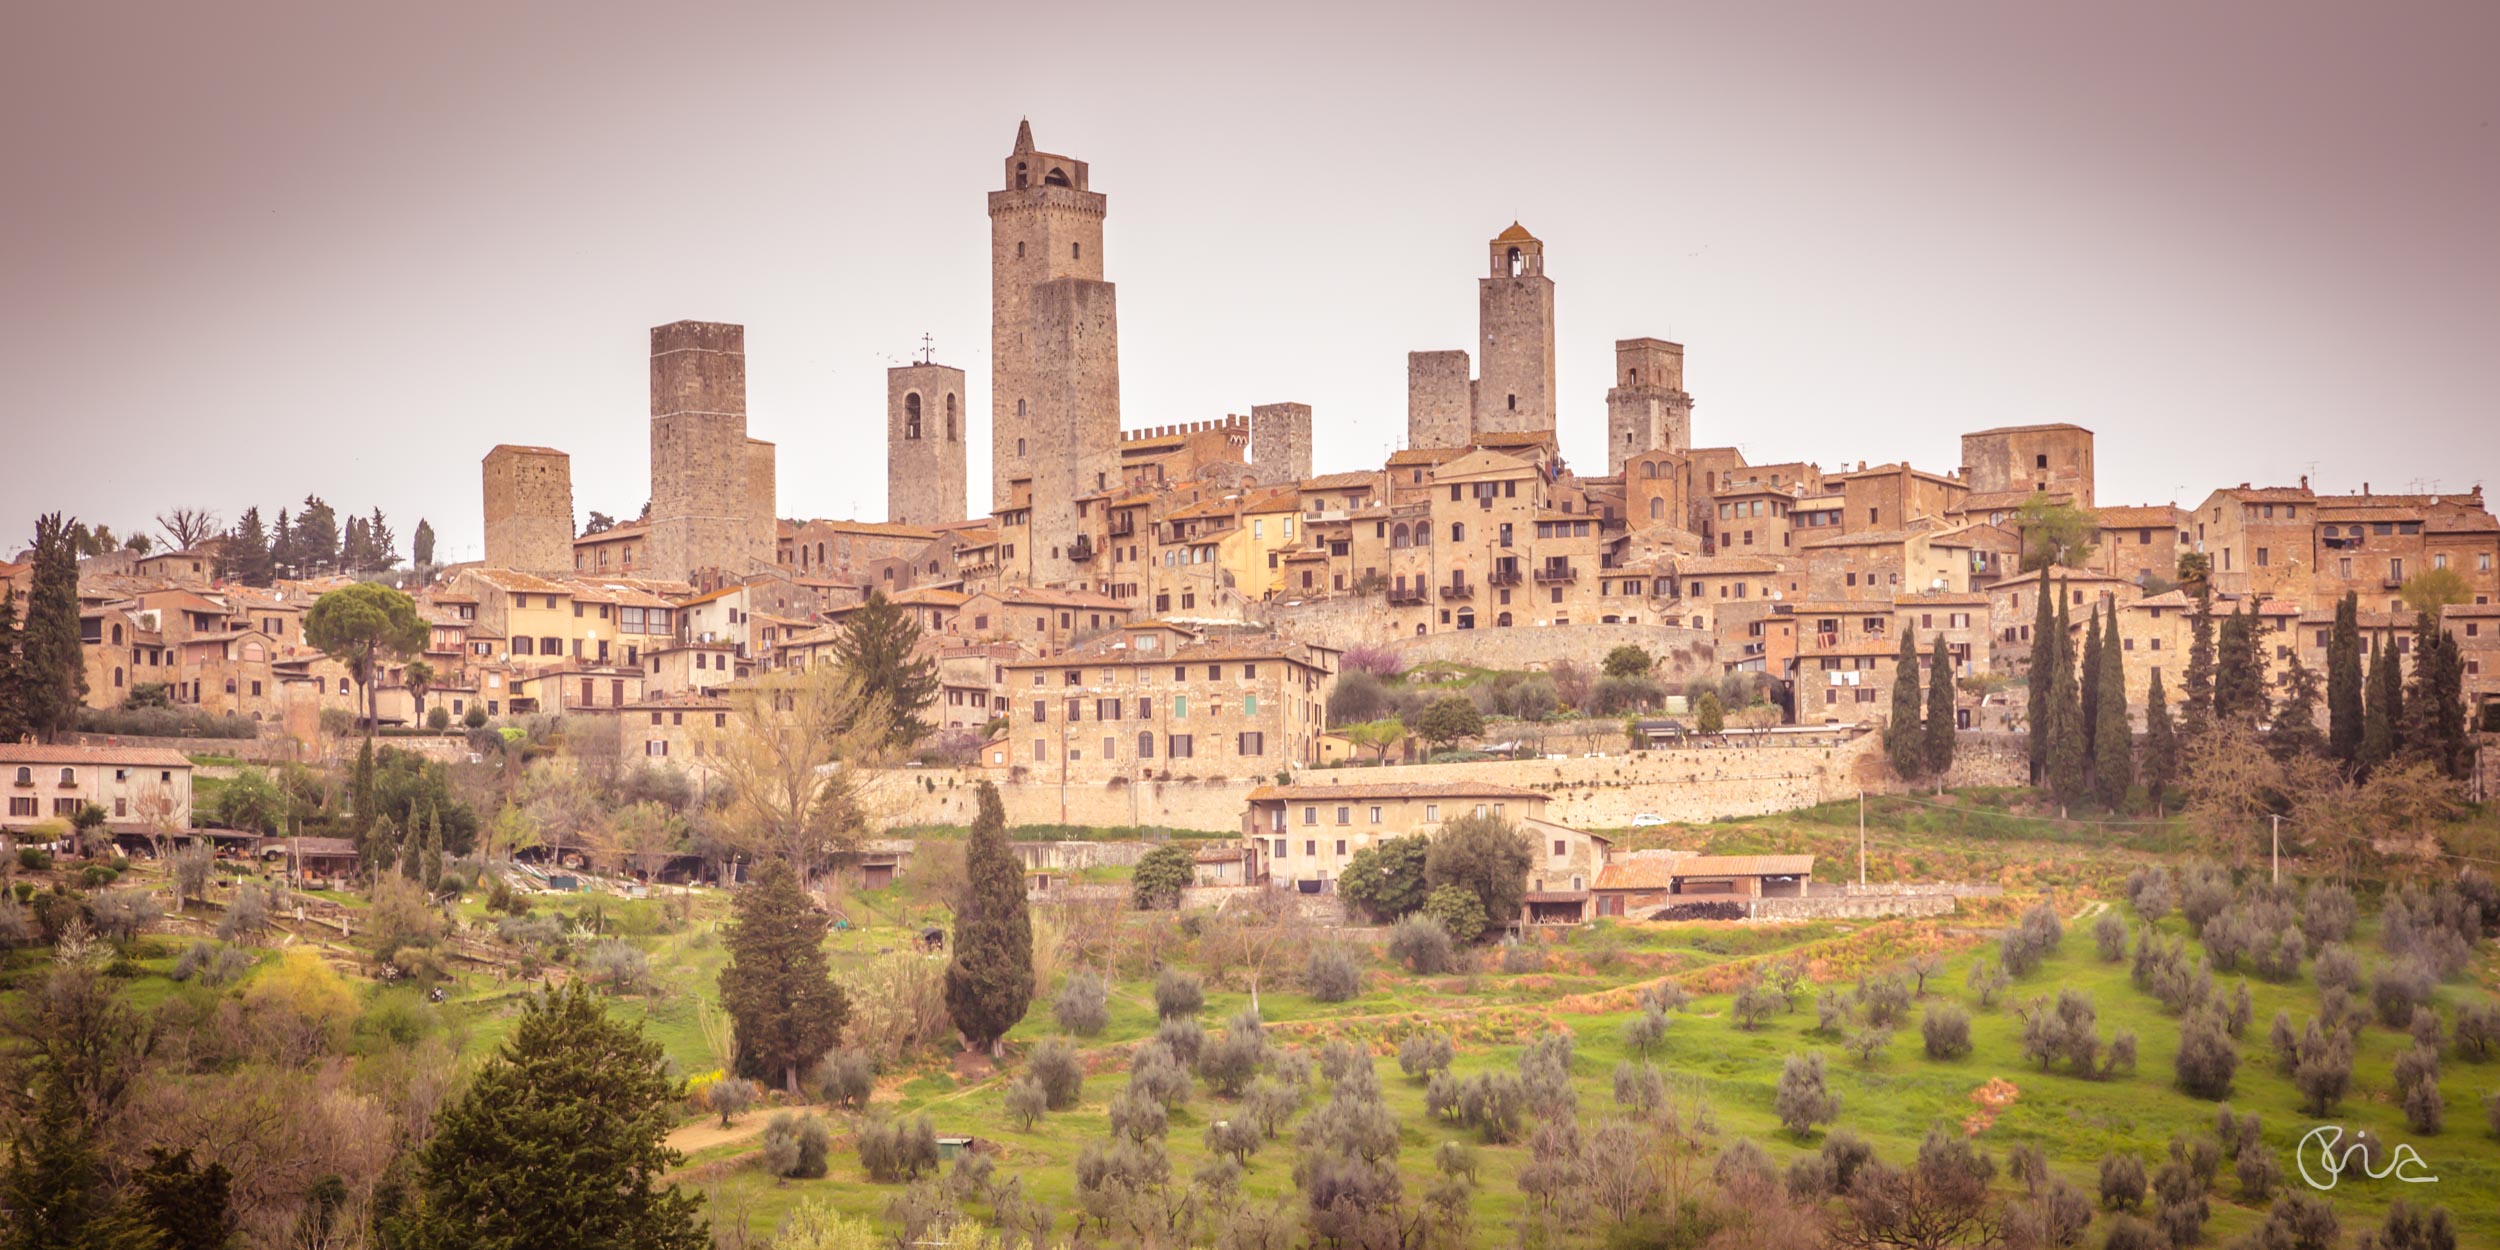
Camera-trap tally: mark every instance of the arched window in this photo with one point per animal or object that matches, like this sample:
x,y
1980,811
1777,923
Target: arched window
x,y
69,776
1636,377
1514,262
254,653
1657,508
950,416
1458,531
117,633
1057,177
1397,537
911,415
1019,442
25,776
117,677
1020,176
1502,620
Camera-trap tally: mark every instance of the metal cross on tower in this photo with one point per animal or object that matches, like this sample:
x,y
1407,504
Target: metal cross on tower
x,y
928,350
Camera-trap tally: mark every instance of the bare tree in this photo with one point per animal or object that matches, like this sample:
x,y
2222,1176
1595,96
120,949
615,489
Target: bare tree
x,y
799,755
1255,934
187,528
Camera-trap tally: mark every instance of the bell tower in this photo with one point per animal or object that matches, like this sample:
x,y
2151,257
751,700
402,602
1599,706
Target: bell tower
x,y
1515,316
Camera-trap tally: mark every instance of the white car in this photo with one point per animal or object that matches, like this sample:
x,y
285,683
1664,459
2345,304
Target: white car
x,y
1646,819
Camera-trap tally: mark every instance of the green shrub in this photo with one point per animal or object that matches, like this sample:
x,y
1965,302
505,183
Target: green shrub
x,y
34,859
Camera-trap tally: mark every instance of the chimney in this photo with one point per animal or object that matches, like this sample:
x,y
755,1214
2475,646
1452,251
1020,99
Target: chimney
x,y
2304,481
2365,488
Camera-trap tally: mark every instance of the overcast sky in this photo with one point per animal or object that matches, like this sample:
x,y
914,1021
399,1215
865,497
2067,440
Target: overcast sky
x,y
252,251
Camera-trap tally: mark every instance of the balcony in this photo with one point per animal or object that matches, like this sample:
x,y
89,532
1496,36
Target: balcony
x,y
1504,577
1406,594
1557,573
1081,550
1458,590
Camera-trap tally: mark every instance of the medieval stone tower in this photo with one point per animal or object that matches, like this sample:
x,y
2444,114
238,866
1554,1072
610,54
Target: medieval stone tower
x,y
924,444
712,491
1280,442
1054,349
529,509
1515,317
1647,409
1440,400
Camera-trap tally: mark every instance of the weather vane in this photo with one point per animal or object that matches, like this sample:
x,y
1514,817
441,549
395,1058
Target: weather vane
x,y
928,350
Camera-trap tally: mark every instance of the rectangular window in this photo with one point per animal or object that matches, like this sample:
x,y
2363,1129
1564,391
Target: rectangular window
x,y
1254,744
1145,745
1179,747
1250,705
1180,707
1145,709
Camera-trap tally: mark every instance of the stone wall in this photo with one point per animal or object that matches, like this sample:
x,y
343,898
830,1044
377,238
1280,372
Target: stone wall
x,y
1602,792
1990,759
1280,441
529,509
1683,653
1438,403
1854,906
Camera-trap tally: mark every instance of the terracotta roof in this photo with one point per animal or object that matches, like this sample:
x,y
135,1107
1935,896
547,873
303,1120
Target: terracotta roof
x,y
515,580
1702,566
39,753
929,595
2268,494
1863,538
878,529
2141,516
1339,481
1940,598
329,847
1516,234
1390,790
1426,455
1645,872
2061,573
2027,429
1018,595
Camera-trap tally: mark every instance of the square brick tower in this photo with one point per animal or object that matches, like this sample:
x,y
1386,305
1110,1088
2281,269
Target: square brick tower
x,y
1280,442
703,501
1440,399
1515,313
924,444
1054,349
1647,409
529,509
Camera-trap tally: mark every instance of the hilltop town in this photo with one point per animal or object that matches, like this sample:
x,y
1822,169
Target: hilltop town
x,y
913,850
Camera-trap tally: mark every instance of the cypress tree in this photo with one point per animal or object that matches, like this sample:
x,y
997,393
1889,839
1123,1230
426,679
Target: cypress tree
x,y
2343,682
2197,714
2088,685
13,725
2067,761
2239,677
421,547
1904,739
2113,742
2379,713
364,808
2452,718
2433,725
776,986
2161,744
283,561
561,1140
52,663
1940,726
990,981
2043,653
2295,729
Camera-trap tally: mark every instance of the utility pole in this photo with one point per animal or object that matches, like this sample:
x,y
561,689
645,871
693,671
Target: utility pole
x,y
2278,850
1861,839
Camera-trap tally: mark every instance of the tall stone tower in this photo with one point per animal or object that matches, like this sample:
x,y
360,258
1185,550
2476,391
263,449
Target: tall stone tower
x,y
529,509
763,519
1280,442
704,503
1515,312
1440,400
1054,348
924,445
1647,409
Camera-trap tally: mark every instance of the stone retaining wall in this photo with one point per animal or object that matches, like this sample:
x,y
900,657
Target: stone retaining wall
x,y
1859,906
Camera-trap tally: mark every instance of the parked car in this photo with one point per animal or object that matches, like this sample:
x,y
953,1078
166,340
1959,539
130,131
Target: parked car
x,y
1646,819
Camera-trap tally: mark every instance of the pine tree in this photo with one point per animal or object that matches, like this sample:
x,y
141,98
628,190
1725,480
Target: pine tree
x,y
2197,714
561,1140
2067,761
381,545
2043,652
352,552
1940,711
2295,730
2161,744
79,1049
777,987
876,648
1905,740
2088,687
316,537
243,556
2381,710
52,662
285,558
421,547
2343,682
2113,743
990,982
13,723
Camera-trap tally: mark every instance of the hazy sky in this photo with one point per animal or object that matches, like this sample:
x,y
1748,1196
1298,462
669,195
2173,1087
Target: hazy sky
x,y
252,251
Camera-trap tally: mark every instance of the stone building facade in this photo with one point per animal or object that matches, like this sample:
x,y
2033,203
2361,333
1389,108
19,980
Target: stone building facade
x,y
2024,460
1440,399
529,509
924,440
704,500
1280,442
